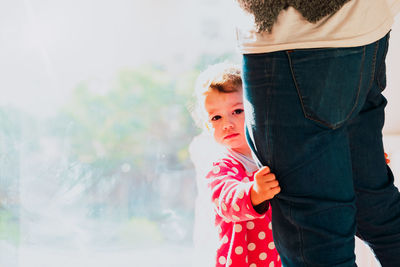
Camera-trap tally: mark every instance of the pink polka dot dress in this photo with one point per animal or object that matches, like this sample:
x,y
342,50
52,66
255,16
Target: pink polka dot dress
x,y
245,236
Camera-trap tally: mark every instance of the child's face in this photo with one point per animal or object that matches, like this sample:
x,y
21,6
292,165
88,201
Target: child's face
x,y
226,117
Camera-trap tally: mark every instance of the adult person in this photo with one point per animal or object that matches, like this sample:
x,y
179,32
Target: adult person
x,y
313,74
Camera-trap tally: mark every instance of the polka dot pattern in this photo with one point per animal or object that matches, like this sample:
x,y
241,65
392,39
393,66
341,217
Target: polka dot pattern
x,y
222,260
223,206
251,246
250,216
226,220
263,256
245,236
236,207
233,161
216,169
246,180
261,235
250,225
231,174
271,245
238,250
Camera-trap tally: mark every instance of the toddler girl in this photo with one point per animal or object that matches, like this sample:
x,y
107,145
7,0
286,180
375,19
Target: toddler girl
x,y
239,191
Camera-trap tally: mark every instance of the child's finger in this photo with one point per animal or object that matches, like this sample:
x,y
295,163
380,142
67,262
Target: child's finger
x,y
275,190
387,158
271,184
268,177
264,170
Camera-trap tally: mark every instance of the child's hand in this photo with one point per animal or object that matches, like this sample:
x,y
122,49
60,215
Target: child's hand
x,y
265,186
387,158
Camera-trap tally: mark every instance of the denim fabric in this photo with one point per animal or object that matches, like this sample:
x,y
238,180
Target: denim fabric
x,y
315,116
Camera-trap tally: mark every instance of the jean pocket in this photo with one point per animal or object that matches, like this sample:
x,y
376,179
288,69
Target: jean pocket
x,y
328,82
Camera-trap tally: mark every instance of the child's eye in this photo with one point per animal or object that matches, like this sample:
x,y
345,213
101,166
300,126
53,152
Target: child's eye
x,y
238,111
216,117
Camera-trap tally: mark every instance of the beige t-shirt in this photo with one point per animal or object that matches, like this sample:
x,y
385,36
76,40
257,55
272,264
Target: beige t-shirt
x,y
358,22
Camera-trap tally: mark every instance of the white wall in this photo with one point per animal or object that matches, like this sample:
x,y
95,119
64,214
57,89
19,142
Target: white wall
x,y
392,92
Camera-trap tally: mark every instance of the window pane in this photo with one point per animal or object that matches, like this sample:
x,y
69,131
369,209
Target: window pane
x,y
95,129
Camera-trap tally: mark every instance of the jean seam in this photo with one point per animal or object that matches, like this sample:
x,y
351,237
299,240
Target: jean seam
x,y
269,142
302,246
381,66
359,86
299,230
329,125
301,234
375,71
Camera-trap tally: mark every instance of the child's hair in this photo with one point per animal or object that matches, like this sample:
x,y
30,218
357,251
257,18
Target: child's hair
x,y
222,77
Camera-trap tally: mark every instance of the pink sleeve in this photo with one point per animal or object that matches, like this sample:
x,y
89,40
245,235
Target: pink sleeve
x,y
230,195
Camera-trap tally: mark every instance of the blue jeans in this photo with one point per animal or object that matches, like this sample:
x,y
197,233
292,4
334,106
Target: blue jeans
x,y
315,116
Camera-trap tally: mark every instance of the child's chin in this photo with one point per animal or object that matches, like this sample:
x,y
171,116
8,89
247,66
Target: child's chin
x,y
233,147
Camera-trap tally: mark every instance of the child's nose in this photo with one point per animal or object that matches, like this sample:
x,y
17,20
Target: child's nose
x,y
228,124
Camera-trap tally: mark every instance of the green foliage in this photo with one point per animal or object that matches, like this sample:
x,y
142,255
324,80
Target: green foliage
x,y
116,154
9,226
10,145
122,140
144,115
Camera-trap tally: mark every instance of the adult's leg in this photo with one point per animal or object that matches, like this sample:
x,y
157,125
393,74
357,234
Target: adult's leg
x,y
377,199
298,104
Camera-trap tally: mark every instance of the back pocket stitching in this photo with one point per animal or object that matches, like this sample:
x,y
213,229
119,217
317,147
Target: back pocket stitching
x,y
309,116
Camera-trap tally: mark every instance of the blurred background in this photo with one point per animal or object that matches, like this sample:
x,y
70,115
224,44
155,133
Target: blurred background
x,y
95,128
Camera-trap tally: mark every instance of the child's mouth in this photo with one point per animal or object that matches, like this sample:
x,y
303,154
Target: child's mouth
x,y
231,136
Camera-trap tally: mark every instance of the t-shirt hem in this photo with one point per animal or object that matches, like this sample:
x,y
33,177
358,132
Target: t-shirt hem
x,y
350,42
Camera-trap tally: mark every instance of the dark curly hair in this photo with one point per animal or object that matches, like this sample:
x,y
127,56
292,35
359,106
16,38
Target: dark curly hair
x,y
266,11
